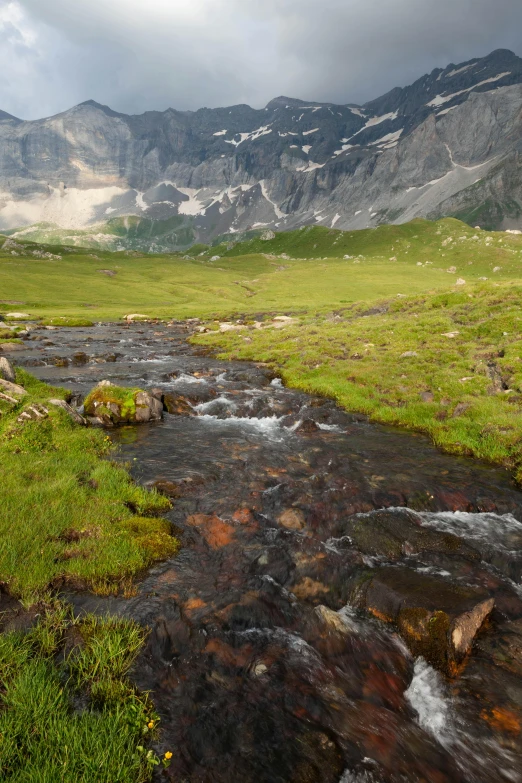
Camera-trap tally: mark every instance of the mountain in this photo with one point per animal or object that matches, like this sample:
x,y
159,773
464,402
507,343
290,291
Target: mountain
x,y
449,144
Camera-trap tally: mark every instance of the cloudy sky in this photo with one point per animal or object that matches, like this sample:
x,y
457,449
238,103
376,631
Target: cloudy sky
x,y
136,55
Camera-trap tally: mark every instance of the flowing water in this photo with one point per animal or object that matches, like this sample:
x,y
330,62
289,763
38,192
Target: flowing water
x,y
259,664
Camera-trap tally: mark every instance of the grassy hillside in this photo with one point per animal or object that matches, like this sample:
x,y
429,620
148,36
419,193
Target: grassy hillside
x,y
315,268
118,233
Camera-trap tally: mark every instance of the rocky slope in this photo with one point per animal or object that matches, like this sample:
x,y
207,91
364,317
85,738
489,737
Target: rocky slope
x,y
449,144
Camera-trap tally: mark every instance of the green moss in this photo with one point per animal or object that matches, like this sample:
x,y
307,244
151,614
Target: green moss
x,y
101,397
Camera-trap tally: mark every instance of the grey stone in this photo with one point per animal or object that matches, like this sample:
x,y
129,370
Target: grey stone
x,y
12,388
7,372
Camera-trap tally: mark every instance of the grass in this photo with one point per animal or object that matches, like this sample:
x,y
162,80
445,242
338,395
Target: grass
x,y
447,364
67,322
68,711
295,271
69,514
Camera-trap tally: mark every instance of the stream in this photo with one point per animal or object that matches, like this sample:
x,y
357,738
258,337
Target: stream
x,y
263,660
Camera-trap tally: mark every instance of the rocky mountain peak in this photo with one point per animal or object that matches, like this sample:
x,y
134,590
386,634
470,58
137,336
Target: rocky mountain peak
x,y
446,144
5,116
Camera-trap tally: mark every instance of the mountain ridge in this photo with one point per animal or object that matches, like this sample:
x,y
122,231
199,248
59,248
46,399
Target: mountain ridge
x,y
416,151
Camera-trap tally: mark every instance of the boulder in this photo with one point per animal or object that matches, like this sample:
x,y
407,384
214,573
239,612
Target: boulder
x,y
120,405
12,388
73,414
136,317
148,408
395,532
438,620
17,316
7,372
10,347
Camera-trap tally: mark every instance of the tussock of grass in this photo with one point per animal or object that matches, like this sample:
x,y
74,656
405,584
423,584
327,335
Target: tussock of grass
x,y
467,363
69,322
67,514
67,710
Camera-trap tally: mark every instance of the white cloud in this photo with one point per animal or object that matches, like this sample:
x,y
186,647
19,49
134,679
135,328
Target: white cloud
x,y
150,54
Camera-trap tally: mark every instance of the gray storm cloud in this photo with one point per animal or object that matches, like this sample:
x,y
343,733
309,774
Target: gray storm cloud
x,y
136,55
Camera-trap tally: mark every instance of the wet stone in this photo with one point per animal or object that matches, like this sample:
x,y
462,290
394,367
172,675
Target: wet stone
x,y
438,620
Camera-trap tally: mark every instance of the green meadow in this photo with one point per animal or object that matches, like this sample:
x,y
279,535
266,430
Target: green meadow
x,y
297,271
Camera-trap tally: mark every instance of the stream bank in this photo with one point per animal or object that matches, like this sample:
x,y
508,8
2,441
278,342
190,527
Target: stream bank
x,y
306,531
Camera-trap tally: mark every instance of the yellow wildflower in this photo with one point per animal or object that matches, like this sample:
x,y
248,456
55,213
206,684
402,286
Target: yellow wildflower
x,y
150,724
168,755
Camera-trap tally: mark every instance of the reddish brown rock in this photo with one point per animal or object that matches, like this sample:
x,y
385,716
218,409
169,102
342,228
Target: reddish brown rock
x,y
215,531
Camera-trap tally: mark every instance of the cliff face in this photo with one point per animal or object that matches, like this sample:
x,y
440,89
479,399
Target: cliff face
x,y
448,144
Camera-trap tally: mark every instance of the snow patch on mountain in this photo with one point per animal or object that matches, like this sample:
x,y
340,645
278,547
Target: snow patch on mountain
x,y
252,136
439,100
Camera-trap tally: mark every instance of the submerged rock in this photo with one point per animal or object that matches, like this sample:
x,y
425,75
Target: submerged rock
x,y
118,405
393,533
292,519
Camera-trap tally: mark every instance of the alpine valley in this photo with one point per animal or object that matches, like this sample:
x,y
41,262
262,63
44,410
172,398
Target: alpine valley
x,y
448,145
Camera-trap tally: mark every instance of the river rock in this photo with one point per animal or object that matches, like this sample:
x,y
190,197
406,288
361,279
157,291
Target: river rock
x,y
10,347
136,317
307,427
73,414
148,408
333,621
7,372
118,405
437,619
177,405
79,358
292,519
17,316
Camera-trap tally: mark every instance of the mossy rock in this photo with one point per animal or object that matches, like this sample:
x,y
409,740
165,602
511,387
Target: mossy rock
x,y
121,405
